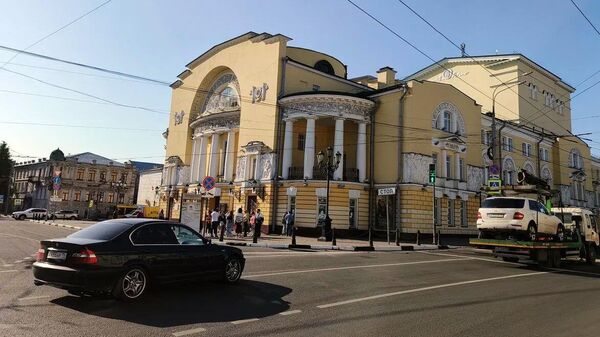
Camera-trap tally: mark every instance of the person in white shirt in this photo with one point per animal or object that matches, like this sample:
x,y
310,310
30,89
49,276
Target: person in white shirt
x,y
214,216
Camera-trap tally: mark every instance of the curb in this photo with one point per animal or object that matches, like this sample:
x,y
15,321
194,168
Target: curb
x,y
44,222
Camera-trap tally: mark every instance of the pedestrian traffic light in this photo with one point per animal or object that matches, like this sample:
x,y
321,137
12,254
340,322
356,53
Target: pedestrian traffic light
x,y
432,173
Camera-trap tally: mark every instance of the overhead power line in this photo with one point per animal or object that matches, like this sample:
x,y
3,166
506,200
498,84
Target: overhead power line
x,y
585,17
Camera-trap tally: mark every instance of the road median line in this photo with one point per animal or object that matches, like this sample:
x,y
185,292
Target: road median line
x,y
188,332
410,291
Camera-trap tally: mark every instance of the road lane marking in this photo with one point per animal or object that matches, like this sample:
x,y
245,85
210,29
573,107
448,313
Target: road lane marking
x,y
355,267
31,298
573,271
188,332
242,321
290,312
455,284
7,265
20,237
472,258
10,271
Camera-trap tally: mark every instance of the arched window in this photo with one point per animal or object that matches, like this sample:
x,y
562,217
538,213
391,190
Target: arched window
x,y
508,171
529,168
446,117
325,67
447,121
223,95
546,175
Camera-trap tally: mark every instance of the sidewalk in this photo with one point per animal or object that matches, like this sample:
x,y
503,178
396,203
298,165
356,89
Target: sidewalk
x,y
302,242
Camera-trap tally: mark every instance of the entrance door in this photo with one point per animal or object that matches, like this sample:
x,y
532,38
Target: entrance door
x,y
251,204
385,209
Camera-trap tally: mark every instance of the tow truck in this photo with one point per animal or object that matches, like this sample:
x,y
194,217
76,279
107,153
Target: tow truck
x,y
582,239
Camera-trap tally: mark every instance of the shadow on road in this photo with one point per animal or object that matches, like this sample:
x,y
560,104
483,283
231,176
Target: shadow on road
x,y
189,304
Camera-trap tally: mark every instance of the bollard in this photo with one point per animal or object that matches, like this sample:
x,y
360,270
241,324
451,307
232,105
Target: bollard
x,y
397,236
222,233
293,235
333,241
439,236
418,235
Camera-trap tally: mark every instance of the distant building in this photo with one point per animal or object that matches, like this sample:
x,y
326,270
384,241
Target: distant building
x,y
141,167
91,184
148,187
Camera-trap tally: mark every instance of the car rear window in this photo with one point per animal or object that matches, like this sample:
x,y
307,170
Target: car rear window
x,y
503,203
105,230
566,218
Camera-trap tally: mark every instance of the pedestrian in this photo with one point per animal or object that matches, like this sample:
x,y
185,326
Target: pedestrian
x,y
208,222
246,223
161,215
214,222
252,221
239,222
284,223
289,220
259,221
229,223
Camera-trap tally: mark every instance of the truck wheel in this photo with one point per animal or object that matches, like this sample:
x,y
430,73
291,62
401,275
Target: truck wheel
x,y
531,232
590,257
560,233
22,217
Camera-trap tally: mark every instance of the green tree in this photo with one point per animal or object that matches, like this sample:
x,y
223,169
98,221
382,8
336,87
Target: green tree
x,y
6,167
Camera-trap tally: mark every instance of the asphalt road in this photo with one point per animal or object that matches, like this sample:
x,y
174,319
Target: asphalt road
x,y
305,293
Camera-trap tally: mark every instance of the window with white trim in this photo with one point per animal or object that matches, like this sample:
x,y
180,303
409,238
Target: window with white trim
x,y
448,166
464,220
450,213
544,155
533,91
463,170
576,161
526,149
447,121
507,143
486,137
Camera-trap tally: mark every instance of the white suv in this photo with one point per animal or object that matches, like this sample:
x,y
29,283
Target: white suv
x,y
517,215
30,213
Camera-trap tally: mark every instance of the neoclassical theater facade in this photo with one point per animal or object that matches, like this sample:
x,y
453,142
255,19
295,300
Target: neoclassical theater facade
x,y
252,113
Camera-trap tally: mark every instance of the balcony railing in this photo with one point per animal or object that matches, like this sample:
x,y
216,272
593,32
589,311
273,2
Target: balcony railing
x,y
351,174
296,173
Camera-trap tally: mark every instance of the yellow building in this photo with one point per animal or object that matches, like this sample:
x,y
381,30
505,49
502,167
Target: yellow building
x,y
253,113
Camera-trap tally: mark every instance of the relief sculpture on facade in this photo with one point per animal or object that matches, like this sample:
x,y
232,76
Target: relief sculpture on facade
x,y
267,161
240,171
474,178
416,168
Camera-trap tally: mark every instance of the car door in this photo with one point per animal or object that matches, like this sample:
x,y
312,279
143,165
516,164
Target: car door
x,y
193,250
548,221
157,247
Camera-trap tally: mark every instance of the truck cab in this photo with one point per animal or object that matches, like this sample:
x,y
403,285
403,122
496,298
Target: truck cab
x,y
579,218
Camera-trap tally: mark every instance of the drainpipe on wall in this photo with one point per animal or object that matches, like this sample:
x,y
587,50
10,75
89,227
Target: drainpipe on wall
x,y
400,167
371,177
278,141
500,148
539,160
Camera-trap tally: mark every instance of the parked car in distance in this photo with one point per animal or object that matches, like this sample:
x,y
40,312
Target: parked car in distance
x,y
138,213
518,216
122,257
64,214
30,213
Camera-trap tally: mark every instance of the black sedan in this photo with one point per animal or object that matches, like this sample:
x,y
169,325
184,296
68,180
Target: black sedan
x,y
121,257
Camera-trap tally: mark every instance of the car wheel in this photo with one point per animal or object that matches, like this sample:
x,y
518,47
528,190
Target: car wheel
x,y
531,232
590,257
560,233
132,285
72,218
22,217
233,270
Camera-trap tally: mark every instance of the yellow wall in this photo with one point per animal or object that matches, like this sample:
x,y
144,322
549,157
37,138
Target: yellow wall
x,y
310,57
301,80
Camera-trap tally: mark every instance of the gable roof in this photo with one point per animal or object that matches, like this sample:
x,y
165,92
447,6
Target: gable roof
x,y
88,158
143,166
490,61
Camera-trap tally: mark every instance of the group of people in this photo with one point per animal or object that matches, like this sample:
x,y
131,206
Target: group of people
x,y
239,224
288,223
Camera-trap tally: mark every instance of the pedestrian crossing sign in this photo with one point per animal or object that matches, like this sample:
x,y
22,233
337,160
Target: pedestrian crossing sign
x,y
494,186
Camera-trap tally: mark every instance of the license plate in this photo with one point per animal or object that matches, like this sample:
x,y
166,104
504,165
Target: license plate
x,y
496,215
52,254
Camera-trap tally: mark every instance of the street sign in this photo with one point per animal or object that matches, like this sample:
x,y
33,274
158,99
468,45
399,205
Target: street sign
x,y
208,183
386,191
432,173
494,169
494,186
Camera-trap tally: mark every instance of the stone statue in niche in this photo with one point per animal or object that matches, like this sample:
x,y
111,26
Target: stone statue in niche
x,y
267,161
241,168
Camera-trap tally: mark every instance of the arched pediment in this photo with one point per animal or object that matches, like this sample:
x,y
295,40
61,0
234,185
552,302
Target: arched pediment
x,y
447,117
223,95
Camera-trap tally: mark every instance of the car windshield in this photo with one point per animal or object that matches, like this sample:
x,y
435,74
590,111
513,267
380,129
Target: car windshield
x,y
566,218
503,203
105,230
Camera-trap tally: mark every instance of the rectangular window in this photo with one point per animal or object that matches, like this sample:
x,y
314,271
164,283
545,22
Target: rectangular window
x,y
486,137
463,169
80,174
450,214
301,141
526,148
111,198
113,177
464,220
87,196
253,168
102,176
92,176
100,196
543,154
434,157
448,167
65,196
353,213
507,144
77,196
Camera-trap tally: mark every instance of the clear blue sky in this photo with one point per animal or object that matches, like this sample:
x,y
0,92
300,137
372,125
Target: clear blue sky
x,y
157,38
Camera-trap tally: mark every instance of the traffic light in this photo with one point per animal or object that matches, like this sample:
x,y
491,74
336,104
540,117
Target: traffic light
x,y
432,173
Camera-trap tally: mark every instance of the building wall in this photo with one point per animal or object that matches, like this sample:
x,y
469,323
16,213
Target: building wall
x,y
147,182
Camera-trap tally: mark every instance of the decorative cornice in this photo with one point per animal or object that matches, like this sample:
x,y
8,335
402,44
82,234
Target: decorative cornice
x,y
327,105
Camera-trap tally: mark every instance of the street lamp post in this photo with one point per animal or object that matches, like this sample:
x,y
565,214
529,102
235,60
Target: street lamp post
x,y
327,162
118,186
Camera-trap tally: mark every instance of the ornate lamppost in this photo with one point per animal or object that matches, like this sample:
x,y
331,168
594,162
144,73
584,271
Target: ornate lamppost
x,y
118,186
329,163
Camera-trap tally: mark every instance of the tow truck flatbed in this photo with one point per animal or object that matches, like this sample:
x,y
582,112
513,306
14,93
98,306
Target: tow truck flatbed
x,y
491,243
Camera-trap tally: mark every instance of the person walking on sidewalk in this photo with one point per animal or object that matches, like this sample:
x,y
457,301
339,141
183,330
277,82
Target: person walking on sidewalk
x,y
229,223
289,223
259,221
246,223
238,222
252,221
284,224
214,223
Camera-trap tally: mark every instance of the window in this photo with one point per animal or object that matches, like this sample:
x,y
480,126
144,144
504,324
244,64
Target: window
x,y
92,176
533,91
186,237
462,174
111,198
434,157
464,220
154,234
544,154
448,166
321,208
107,230
124,177
561,105
325,67
102,176
87,196
352,213
526,149
486,137
447,120
65,196
437,211
301,141
253,168
77,196
228,98
503,203
100,196
113,176
80,174
576,160
316,87
548,99
450,212
507,144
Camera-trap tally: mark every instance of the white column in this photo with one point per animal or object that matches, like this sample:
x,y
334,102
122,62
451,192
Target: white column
x,y
457,165
214,156
194,161
287,148
229,155
444,165
201,149
361,151
338,146
309,148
